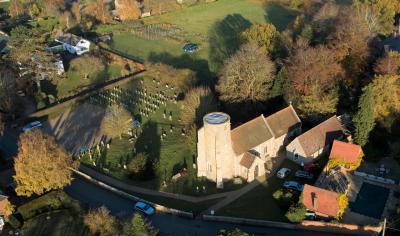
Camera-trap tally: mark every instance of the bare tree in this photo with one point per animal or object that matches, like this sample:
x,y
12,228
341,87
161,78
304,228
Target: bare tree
x,y
116,121
101,222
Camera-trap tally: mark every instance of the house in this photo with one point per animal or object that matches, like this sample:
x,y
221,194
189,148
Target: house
x,y
347,153
223,153
73,44
310,145
323,202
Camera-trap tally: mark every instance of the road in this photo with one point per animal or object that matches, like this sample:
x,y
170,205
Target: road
x,y
95,196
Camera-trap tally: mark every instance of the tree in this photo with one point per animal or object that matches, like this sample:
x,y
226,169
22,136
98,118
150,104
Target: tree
x,y
198,102
8,210
116,121
53,8
7,90
389,64
100,10
137,226
312,75
41,164
101,222
87,66
247,75
76,12
296,213
138,165
265,35
386,97
128,10
235,232
278,89
364,120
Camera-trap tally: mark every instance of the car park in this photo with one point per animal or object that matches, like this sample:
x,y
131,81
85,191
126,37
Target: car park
x,y
304,174
283,173
144,208
293,185
32,125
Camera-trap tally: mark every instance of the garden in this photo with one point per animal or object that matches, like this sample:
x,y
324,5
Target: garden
x,y
214,26
51,214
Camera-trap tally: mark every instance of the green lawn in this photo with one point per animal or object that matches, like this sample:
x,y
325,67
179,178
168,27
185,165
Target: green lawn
x,y
215,27
261,199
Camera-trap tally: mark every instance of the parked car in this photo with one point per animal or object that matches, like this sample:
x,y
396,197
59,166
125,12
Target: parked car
x,y
32,125
310,215
190,47
293,185
304,174
283,173
312,167
144,208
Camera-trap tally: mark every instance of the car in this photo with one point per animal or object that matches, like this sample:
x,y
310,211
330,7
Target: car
x,y
293,185
190,47
32,125
304,174
144,208
310,215
312,167
283,173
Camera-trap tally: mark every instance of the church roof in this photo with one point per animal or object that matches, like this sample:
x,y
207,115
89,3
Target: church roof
x,y
247,160
250,135
261,129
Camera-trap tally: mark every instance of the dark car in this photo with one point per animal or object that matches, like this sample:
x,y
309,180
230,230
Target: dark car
x,y
312,167
293,185
304,174
190,47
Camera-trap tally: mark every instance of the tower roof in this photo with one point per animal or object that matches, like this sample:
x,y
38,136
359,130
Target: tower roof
x,y
216,118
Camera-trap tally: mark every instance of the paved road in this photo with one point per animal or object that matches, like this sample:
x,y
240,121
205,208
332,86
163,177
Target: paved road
x,y
95,196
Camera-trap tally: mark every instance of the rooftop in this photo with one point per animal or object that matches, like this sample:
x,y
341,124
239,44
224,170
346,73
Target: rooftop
x,y
345,151
321,200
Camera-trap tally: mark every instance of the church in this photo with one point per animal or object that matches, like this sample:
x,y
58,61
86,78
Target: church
x,y
223,154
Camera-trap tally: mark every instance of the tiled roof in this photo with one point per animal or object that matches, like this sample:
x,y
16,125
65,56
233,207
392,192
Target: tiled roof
x,y
321,200
250,135
345,151
321,135
283,121
247,160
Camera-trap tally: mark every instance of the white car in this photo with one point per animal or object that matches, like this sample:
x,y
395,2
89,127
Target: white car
x,y
283,173
32,125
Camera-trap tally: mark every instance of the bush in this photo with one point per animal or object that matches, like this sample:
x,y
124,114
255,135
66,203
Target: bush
x,y
296,213
87,66
138,166
284,198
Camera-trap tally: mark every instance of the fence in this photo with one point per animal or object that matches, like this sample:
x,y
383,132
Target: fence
x,y
374,178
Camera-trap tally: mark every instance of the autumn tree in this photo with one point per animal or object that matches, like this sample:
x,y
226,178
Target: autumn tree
x,y
388,64
198,102
139,165
386,96
350,42
313,74
265,35
117,121
100,10
128,9
76,12
138,226
7,90
53,8
19,7
247,75
101,222
364,120
41,164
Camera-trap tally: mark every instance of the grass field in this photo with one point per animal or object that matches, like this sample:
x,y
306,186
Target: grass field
x,y
215,27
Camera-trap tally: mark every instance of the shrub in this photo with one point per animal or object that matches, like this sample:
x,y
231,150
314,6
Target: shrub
x,y
138,165
343,204
296,213
284,198
336,162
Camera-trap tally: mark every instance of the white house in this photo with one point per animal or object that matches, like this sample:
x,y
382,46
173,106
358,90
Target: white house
x,y
316,141
223,153
73,44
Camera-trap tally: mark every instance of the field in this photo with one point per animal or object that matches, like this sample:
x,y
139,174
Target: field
x,y
215,27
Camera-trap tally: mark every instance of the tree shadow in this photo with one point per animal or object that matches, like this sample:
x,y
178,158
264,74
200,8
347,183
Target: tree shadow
x,y
48,87
185,61
224,38
279,15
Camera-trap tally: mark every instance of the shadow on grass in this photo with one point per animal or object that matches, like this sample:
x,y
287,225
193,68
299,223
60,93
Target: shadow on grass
x,y
224,38
200,66
279,15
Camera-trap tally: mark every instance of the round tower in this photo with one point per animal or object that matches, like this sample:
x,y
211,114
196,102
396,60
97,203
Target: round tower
x,y
218,147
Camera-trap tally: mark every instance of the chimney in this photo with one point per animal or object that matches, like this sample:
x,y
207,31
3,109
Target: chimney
x,y
314,200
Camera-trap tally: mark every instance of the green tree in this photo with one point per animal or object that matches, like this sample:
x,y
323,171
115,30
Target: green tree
x,y
235,232
247,75
364,120
101,222
278,89
41,164
296,213
198,102
137,226
265,35
138,165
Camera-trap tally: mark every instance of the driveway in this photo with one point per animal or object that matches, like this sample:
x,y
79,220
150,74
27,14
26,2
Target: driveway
x,y
95,196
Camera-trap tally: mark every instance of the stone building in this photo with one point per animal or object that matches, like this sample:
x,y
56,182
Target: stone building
x,y
223,153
